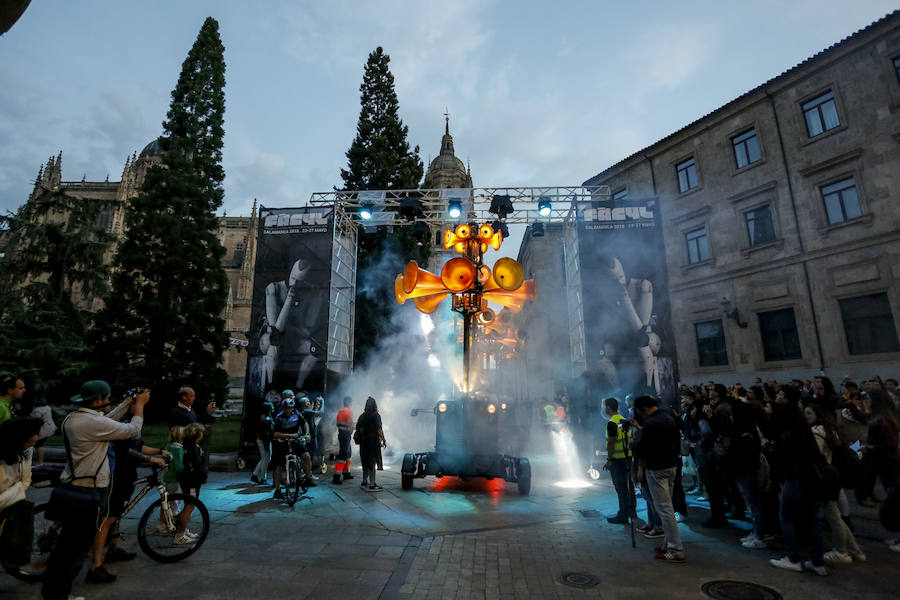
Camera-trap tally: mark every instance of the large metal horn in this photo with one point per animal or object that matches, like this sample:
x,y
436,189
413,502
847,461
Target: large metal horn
x,y
415,278
458,274
515,299
508,274
429,304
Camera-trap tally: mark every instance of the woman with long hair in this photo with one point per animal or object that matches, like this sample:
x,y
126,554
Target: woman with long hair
x,y
823,427
371,441
796,450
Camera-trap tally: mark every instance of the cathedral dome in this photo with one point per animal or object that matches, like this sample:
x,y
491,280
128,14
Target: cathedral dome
x,y
446,170
151,149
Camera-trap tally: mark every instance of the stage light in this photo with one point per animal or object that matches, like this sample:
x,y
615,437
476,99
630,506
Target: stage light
x,y
501,206
537,230
454,209
492,409
365,212
500,226
544,206
410,208
442,407
503,406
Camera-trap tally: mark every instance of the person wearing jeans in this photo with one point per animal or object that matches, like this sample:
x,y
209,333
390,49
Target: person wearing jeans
x,y
264,432
660,449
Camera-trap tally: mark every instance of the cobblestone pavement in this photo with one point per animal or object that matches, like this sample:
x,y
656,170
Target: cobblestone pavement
x,y
453,539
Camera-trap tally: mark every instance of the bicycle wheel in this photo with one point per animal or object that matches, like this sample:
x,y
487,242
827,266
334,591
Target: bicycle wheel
x,y
292,482
157,528
46,534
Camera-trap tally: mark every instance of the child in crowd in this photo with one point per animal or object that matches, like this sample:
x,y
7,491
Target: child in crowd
x,y
192,476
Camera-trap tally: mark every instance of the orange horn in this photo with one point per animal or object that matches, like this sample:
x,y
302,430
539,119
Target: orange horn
x,y
415,278
516,299
399,293
508,273
486,316
429,304
458,274
449,239
463,232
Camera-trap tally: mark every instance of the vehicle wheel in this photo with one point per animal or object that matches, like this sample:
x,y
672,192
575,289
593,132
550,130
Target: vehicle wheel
x,y
46,534
406,481
301,481
156,535
524,477
292,483
241,463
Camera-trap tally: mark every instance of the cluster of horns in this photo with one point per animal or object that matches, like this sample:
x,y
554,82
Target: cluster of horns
x,y
504,285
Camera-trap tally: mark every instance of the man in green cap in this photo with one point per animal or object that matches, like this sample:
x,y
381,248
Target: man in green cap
x,y
87,432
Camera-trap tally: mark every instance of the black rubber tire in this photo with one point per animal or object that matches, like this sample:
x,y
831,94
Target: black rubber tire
x,y
45,535
524,477
406,481
292,483
153,510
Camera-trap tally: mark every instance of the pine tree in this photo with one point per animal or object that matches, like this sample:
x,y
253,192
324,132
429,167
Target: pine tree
x,y
53,269
164,315
380,159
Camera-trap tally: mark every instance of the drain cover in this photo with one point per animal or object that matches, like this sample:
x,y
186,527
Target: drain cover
x,y
589,513
579,580
724,589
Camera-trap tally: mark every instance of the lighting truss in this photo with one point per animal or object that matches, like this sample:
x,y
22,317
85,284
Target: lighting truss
x,y
434,202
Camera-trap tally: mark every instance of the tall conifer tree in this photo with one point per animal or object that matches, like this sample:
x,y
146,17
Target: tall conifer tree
x,y
380,159
53,269
164,315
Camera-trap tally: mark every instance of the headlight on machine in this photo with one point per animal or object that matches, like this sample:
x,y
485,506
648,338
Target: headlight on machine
x,y
492,409
442,407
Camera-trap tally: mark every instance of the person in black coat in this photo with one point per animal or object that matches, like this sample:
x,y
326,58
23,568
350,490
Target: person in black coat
x,y
370,438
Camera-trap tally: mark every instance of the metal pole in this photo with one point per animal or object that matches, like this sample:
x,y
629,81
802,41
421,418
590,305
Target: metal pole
x,y
467,333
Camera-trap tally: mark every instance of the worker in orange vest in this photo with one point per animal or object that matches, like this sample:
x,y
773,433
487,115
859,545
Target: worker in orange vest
x,y
345,434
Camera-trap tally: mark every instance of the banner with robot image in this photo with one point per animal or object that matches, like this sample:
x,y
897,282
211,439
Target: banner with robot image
x,y
627,324
289,315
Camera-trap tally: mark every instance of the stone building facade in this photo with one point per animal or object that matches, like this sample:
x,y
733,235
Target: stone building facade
x,y
781,220
237,235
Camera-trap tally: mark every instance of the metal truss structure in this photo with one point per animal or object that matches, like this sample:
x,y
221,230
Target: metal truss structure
x,y
475,203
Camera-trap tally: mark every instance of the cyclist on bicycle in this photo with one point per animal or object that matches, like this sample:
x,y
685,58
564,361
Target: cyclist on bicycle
x,y
291,432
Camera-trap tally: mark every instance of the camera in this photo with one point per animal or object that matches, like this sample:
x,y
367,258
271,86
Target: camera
x,y
133,393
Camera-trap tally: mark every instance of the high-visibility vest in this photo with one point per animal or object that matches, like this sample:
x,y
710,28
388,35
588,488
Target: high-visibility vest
x,y
619,444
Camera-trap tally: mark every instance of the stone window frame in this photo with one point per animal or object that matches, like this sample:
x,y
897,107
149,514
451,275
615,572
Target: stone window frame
x,y
856,291
891,74
696,219
819,201
714,367
753,199
752,125
684,158
775,229
687,245
794,360
839,103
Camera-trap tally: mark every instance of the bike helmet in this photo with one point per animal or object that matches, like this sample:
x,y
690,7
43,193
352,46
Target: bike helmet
x,y
289,393
287,403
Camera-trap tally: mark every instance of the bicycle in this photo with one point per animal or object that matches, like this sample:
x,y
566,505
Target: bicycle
x,y
295,474
156,532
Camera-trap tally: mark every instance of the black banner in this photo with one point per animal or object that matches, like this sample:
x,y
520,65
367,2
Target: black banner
x,y
625,301
289,316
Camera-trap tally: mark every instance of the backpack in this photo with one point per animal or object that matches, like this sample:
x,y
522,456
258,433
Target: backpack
x,y
848,465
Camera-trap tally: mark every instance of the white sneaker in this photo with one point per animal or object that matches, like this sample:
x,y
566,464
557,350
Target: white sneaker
x,y
821,571
747,538
71,597
183,540
787,564
754,543
191,534
895,548
892,541
835,556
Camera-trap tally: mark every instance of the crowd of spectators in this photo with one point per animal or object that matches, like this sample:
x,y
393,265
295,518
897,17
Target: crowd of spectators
x,y
788,457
